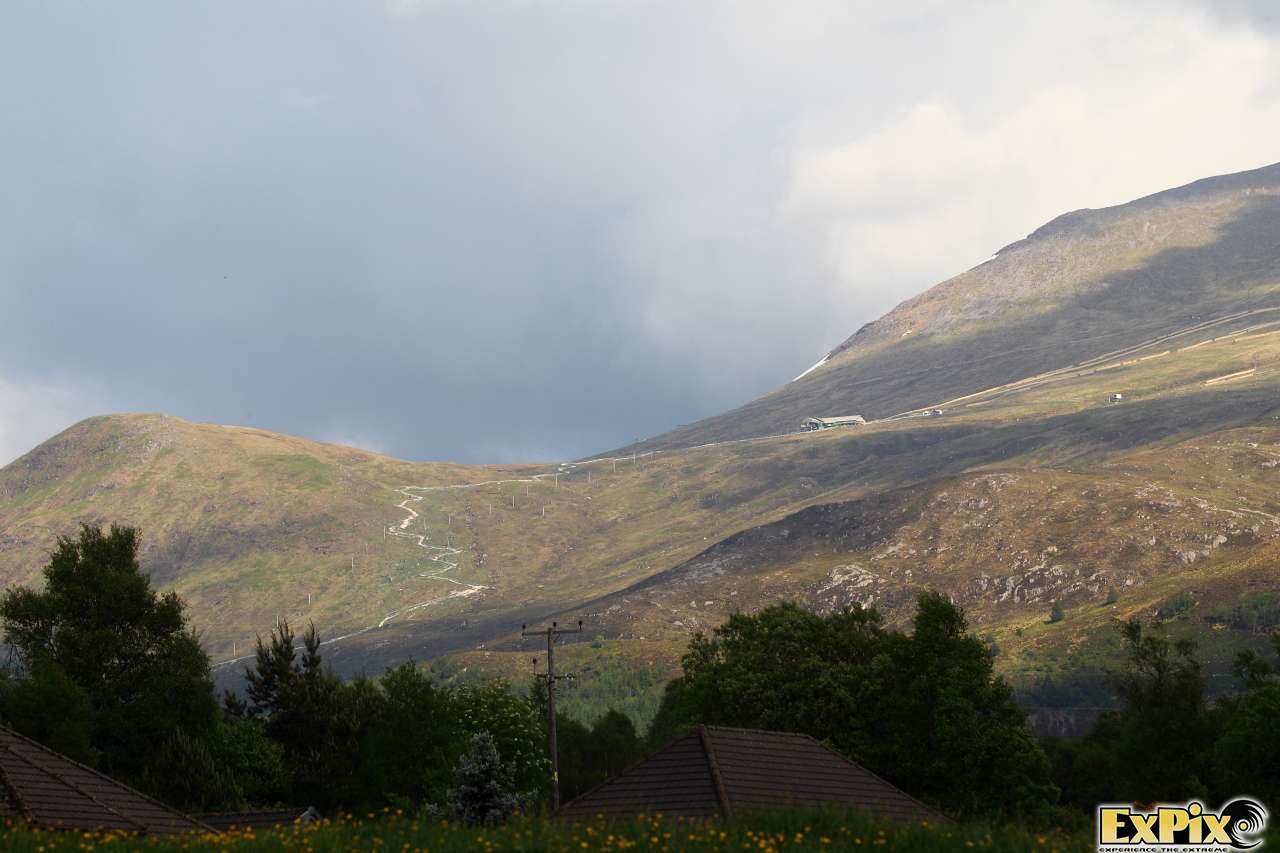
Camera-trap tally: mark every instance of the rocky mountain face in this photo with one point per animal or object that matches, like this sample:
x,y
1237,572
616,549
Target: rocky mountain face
x,y
1089,419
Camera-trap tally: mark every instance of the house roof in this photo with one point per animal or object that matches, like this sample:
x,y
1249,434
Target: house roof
x,y
842,419
223,821
54,792
716,770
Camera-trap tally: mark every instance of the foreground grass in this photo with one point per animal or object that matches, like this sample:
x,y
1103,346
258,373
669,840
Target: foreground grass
x,y
764,832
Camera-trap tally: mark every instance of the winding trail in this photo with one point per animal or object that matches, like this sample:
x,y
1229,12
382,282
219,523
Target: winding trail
x,y
445,556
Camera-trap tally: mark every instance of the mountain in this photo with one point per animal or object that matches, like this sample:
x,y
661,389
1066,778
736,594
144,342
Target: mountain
x,y
1089,283
995,466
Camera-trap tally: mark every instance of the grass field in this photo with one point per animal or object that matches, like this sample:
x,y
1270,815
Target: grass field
x,y
827,831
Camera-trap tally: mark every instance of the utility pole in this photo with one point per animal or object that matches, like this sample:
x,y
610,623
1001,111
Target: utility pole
x,y
551,679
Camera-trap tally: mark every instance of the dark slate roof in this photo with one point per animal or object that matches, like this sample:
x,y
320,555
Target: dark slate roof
x,y
715,770
53,792
223,821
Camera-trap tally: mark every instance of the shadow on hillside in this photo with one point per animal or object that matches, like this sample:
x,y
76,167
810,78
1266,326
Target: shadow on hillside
x,y
885,464
1174,289
1061,440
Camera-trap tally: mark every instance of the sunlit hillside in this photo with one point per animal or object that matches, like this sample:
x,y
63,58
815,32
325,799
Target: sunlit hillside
x,y
1089,419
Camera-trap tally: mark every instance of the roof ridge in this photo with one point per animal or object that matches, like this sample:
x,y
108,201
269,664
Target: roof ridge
x,y
197,824
875,775
755,731
717,780
628,769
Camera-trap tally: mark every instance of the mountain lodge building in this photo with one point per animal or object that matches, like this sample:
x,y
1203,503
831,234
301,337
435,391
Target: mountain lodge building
x,y
812,424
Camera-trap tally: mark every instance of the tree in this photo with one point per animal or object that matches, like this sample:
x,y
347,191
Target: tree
x,y
577,754
588,755
923,710
46,705
1157,745
1244,756
410,749
1163,694
256,763
318,720
485,789
516,727
952,729
128,648
615,745
1056,613
186,775
784,668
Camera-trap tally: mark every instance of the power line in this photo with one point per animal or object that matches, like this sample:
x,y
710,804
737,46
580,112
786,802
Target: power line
x,y
551,679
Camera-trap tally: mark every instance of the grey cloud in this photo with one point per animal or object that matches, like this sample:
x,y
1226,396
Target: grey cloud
x,y
1258,13
452,230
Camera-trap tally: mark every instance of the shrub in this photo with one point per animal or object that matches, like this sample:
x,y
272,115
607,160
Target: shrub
x,y
1174,606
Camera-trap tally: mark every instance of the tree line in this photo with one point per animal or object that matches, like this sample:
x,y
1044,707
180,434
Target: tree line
x,y
108,671
926,711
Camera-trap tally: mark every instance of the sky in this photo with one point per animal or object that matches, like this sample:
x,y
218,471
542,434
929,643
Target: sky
x,y
493,231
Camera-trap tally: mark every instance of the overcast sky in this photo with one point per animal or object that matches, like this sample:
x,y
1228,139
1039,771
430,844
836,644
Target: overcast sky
x,y
496,231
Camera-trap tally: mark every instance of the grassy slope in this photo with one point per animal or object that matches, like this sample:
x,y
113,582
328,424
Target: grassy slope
x,y
1087,283
269,519
244,523
1062,498
1177,292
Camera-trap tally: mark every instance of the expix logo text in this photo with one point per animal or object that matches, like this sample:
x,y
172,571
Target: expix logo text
x,y
1189,826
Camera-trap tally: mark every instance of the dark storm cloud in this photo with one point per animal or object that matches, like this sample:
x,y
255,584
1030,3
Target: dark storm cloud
x,y
344,222
486,231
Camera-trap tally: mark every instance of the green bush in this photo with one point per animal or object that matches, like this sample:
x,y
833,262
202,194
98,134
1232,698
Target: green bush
x,y
1257,612
1175,606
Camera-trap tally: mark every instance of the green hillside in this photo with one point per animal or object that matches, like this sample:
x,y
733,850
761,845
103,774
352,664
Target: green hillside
x,y
1026,488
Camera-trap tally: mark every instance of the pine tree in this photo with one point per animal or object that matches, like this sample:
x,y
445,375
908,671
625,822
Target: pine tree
x,y
485,789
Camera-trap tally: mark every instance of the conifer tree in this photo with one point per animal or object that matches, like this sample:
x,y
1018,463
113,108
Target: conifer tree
x,y
484,792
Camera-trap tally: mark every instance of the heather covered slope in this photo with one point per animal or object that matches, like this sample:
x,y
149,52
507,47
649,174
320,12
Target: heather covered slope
x,y
245,523
1086,284
1163,506
1029,488
248,525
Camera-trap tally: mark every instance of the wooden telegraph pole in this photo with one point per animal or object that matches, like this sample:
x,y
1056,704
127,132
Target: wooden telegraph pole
x,y
551,679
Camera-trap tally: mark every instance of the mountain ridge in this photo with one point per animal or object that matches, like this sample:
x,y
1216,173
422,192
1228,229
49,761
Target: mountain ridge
x,y
1202,249
1175,303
